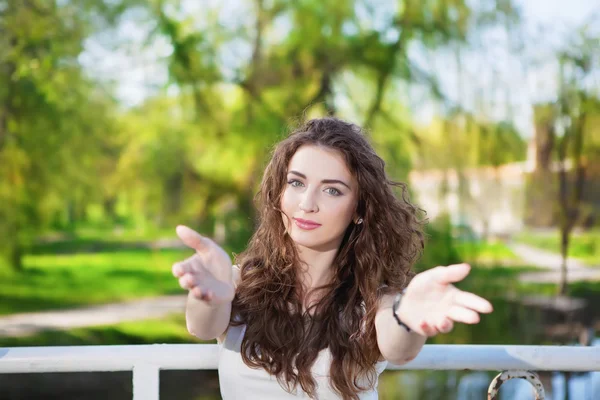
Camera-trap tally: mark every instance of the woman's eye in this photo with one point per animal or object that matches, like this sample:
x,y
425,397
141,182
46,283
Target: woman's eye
x,y
295,183
333,191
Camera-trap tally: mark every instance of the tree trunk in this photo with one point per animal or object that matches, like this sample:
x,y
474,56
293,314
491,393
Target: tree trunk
x,y
564,247
109,204
570,201
541,192
16,256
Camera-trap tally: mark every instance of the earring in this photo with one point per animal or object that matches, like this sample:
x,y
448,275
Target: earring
x,y
360,221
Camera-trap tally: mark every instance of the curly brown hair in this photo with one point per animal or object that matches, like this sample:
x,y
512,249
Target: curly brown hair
x,y
282,338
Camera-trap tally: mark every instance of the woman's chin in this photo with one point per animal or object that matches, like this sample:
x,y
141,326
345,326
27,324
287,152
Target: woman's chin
x,y
317,244
304,239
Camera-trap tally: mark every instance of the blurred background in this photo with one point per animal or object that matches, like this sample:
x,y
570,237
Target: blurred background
x,y
121,118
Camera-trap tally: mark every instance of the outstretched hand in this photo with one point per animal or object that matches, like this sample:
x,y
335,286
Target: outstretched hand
x,y
207,274
431,303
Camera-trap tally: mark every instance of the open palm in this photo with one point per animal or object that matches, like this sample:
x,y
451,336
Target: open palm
x,y
431,303
207,274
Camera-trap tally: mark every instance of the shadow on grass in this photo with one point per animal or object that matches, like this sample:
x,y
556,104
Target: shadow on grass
x,y
66,287
79,245
21,304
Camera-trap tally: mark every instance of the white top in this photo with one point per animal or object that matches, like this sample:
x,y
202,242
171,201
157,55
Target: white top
x,y
238,381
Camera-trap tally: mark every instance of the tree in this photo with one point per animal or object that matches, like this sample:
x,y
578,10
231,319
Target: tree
x,y
326,51
575,107
566,143
53,119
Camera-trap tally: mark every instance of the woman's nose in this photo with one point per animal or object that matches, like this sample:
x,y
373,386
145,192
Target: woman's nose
x,y
308,203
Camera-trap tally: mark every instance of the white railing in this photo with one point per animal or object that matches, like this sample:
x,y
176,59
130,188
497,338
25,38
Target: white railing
x,y
146,361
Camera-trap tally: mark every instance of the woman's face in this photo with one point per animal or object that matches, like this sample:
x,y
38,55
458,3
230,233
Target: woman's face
x,y
319,199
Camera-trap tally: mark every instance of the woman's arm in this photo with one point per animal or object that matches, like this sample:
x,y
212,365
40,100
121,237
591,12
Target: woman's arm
x,y
430,305
211,280
206,321
396,344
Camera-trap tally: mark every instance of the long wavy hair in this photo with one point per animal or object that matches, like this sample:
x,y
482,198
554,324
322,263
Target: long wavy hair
x,y
379,253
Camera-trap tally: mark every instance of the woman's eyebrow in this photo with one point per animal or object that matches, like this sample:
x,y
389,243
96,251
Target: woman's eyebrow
x,y
323,181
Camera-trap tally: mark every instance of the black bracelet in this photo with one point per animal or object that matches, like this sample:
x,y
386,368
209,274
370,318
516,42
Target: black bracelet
x,y
395,308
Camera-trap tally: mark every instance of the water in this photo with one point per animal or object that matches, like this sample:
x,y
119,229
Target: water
x,y
582,386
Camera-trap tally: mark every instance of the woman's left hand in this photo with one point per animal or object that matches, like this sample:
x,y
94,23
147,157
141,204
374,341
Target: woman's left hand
x,y
431,303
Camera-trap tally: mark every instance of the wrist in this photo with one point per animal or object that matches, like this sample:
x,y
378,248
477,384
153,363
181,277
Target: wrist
x,y
398,311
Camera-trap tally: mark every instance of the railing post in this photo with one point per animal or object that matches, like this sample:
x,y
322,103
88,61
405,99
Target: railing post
x,y
529,376
145,382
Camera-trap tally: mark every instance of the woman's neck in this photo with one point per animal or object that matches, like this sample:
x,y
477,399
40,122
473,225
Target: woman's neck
x,y
315,270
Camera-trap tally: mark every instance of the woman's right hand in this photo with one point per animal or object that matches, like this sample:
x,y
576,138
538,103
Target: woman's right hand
x,y
207,274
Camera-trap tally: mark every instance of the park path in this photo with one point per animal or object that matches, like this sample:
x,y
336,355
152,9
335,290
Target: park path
x,y
551,262
26,324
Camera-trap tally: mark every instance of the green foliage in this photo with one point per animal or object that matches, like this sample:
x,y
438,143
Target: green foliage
x,y
466,142
54,122
439,246
196,154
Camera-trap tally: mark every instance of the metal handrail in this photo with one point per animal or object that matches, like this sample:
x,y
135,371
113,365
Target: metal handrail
x,y
146,361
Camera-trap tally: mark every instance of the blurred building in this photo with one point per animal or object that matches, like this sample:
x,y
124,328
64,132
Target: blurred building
x,y
499,201
491,201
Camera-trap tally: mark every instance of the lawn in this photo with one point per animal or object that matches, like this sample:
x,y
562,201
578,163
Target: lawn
x,y
584,246
53,281
489,253
86,271
493,283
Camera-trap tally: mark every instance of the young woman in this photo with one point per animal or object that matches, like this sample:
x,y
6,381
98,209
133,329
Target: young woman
x,y
323,297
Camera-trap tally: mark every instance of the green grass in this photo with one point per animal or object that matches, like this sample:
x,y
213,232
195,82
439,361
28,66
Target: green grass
x,y
493,283
53,281
110,232
490,282
170,329
79,272
584,246
86,271
496,253
97,266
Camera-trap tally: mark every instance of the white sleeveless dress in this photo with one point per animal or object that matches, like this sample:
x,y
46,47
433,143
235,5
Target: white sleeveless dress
x,y
238,381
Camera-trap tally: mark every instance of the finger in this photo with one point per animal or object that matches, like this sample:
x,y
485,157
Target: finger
x,y
452,273
191,238
180,268
428,329
185,266
187,282
474,302
445,325
462,314
200,294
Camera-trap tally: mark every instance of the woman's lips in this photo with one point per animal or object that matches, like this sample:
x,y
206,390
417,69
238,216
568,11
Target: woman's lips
x,y
306,225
